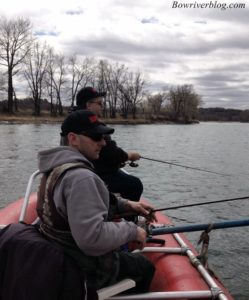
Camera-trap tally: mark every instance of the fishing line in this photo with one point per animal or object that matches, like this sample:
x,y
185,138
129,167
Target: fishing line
x,y
183,166
130,214
199,204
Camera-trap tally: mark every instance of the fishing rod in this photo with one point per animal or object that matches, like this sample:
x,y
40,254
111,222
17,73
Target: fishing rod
x,y
199,204
183,166
131,214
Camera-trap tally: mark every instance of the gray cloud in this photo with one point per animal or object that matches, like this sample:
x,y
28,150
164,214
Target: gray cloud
x,y
211,81
200,22
74,12
231,16
46,33
151,20
205,47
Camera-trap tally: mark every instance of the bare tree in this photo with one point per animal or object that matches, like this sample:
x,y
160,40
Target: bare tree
x,y
55,81
81,74
132,92
3,90
112,76
101,84
156,101
2,83
49,81
15,42
59,80
184,103
35,68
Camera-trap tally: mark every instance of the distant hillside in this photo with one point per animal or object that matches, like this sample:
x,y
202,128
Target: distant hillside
x,y
223,114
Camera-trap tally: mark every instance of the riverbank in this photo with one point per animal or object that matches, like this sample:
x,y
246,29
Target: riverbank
x,y
22,118
26,117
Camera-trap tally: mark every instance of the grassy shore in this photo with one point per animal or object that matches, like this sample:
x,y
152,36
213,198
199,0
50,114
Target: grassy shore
x,y
45,118
26,119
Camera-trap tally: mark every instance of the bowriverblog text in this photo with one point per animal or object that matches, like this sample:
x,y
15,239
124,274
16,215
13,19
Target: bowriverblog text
x,y
209,4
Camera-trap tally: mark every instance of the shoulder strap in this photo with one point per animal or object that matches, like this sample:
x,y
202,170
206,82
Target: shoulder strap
x,y
58,172
45,205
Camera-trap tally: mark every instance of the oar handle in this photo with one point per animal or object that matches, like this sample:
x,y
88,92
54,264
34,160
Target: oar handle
x,y
198,227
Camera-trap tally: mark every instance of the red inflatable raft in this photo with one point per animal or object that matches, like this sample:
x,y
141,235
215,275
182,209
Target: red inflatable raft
x,y
179,273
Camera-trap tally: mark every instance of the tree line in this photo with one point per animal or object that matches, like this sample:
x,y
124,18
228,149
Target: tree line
x,y
55,77
223,114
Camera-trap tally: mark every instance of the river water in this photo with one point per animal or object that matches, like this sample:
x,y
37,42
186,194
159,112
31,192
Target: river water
x,y
219,147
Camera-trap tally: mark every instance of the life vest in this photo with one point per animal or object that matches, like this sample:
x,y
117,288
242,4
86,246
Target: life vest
x,y
100,270
46,209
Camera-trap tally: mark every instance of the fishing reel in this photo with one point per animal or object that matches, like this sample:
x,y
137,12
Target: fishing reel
x,y
133,164
142,222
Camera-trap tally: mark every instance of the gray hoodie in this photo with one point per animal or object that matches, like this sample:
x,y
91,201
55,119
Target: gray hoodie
x,y
82,198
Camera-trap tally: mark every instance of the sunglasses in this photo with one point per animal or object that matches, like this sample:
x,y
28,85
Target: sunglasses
x,y
96,137
100,103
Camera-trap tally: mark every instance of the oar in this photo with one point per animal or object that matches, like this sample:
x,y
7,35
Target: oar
x,y
198,227
183,166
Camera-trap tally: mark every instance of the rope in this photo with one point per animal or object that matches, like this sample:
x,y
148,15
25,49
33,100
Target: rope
x,y
204,239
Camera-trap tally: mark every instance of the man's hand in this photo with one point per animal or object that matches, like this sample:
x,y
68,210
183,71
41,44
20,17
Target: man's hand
x,y
141,239
132,156
142,209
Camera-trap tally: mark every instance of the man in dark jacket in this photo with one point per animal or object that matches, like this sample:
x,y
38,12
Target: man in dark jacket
x,y
111,156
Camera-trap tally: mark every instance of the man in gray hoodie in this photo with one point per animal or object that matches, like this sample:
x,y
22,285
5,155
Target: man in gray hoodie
x,y
75,208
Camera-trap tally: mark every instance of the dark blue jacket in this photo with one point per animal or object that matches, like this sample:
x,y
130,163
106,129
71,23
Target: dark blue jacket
x,y
32,268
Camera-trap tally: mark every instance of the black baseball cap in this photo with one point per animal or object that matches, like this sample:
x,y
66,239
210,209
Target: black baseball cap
x,y
84,121
86,94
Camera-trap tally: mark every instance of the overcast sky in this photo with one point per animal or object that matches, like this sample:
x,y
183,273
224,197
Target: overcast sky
x,y
207,47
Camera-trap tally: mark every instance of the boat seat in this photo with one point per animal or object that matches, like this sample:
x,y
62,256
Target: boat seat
x,y
112,290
